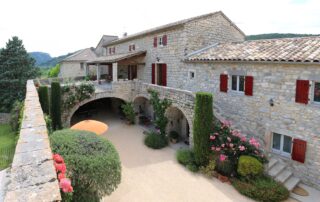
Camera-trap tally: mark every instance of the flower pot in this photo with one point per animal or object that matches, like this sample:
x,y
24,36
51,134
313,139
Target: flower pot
x,y
223,178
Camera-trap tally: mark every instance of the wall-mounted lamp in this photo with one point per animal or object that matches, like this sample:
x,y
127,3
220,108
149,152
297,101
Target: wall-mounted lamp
x,y
271,102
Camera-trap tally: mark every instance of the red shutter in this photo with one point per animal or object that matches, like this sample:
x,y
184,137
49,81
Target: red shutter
x,y
248,86
302,91
164,74
134,72
299,150
114,50
109,51
223,83
164,40
155,41
153,73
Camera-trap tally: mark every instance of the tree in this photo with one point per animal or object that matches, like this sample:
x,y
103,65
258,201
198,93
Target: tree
x,y
54,71
44,98
55,101
202,125
16,67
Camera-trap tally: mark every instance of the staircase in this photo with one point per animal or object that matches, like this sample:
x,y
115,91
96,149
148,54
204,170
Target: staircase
x,y
280,172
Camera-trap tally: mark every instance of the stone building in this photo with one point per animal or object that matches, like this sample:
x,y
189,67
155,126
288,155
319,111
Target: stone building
x,y
268,88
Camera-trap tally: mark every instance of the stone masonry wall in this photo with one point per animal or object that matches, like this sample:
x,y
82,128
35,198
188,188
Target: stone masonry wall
x,y
4,118
254,115
33,177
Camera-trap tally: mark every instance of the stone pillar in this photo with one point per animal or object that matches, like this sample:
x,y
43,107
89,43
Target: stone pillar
x,y
98,73
115,71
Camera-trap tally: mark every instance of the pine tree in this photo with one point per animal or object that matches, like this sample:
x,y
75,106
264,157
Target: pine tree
x,y
16,67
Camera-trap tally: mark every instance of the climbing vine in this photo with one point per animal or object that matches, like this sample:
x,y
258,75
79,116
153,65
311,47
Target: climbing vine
x,y
73,94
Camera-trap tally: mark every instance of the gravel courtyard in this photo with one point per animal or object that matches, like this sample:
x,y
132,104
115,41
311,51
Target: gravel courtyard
x,y
155,175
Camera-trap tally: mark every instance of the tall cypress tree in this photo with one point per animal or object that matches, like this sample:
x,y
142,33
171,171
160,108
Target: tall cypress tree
x,y
55,105
44,98
202,125
16,67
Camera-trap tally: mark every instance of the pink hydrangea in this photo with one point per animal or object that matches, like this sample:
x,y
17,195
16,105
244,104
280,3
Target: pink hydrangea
x,y
229,139
254,142
65,185
242,148
243,139
212,137
231,145
222,157
218,148
226,123
222,145
213,148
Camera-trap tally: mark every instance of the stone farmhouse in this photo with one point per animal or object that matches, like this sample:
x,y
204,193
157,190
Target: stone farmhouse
x,y
269,89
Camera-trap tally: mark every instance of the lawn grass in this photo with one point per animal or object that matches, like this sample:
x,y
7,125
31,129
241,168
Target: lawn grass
x,y
7,145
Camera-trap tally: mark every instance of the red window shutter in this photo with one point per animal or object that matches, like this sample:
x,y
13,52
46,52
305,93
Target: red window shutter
x,y
248,86
302,91
223,83
164,74
129,47
153,73
164,40
299,150
155,41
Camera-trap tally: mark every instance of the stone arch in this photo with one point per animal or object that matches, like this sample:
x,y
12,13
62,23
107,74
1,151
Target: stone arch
x,y
97,96
143,107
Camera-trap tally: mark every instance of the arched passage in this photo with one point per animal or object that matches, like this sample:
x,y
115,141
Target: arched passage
x,y
143,109
99,109
178,122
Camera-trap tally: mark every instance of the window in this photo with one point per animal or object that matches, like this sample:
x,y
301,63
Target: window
x,y
316,92
237,83
81,66
282,144
191,74
160,41
132,47
159,74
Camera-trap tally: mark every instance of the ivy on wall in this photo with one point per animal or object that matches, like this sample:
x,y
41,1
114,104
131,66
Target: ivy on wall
x,y
74,94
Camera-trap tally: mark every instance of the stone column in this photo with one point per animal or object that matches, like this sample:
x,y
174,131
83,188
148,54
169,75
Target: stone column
x,y
98,73
115,71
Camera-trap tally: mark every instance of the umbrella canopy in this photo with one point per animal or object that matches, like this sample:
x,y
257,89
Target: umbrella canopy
x,y
91,125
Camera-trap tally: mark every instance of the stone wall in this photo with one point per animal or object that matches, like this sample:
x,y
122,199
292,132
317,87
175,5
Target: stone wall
x,y
254,115
73,69
4,118
33,177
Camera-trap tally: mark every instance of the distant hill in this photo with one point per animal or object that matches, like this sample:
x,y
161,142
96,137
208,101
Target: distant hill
x,y
44,60
277,36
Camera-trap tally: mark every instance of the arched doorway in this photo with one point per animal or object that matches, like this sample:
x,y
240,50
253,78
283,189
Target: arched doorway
x,y
100,109
179,123
144,110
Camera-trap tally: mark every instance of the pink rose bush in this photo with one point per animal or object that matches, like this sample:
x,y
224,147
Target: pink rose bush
x,y
61,169
232,143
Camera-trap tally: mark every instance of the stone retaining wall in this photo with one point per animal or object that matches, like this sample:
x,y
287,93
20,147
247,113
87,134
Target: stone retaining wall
x,y
33,177
4,118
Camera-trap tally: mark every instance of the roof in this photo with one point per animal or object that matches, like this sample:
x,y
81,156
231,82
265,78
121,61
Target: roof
x,y
118,57
81,55
172,25
303,49
105,39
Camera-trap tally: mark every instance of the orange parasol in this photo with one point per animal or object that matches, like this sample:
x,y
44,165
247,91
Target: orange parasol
x,y
91,125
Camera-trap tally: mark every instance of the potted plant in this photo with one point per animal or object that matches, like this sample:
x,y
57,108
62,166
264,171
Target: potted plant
x,y
174,137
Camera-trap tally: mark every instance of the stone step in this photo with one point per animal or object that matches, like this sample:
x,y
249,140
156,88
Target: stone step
x,y
271,163
276,169
291,183
283,176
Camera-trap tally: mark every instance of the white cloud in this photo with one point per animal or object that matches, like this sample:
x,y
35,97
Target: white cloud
x,y
63,26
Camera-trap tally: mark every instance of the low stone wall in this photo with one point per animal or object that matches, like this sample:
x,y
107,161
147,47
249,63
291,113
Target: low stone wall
x,y
33,177
4,118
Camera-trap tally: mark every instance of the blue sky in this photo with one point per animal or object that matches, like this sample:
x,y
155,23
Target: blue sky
x,y
63,26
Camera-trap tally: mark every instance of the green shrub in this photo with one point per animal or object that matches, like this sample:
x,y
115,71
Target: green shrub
x,y
54,71
174,135
44,98
263,189
185,156
193,168
55,111
202,125
128,111
155,141
16,116
249,166
48,124
209,170
92,162
226,167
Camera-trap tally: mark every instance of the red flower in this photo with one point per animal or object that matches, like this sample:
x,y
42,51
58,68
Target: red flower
x,y
60,167
65,185
61,176
57,158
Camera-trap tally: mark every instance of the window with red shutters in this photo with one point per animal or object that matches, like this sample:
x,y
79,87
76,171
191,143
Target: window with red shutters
x,y
248,85
164,74
299,150
164,40
153,74
155,41
223,83
302,91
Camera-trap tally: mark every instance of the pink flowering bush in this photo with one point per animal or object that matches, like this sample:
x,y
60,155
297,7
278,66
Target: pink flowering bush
x,y
64,183
230,144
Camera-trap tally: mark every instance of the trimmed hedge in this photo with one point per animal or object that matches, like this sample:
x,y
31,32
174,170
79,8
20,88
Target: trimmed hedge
x,y
92,162
186,158
263,189
55,111
44,98
155,141
249,166
202,125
